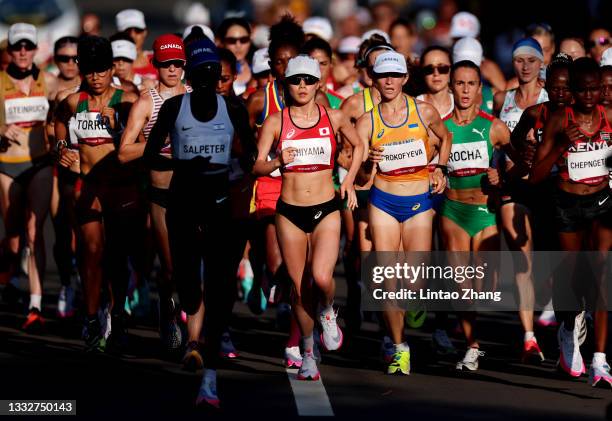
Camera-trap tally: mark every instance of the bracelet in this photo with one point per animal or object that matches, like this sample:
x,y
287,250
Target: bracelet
x,y
444,168
60,144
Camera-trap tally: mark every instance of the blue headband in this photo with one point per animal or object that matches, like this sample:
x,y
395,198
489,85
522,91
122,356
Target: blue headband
x,y
528,46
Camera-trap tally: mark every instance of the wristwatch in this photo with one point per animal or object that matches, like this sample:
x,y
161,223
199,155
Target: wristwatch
x,y
444,169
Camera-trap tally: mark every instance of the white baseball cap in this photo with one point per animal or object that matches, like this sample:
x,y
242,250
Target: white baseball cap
x,y
349,45
22,31
303,65
130,18
467,49
464,24
261,61
207,31
606,57
390,62
371,32
197,13
318,26
124,49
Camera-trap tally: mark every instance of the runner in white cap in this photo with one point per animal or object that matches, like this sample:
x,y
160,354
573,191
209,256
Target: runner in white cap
x,y
124,56
261,72
319,27
132,22
471,49
25,164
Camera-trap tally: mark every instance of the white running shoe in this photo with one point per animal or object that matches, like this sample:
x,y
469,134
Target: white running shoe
x,y
293,357
208,389
470,360
442,343
308,370
331,337
570,358
547,318
600,370
65,300
580,326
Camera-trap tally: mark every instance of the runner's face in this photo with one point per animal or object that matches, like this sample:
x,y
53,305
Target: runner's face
x,y
123,68
436,81
390,85
233,41
170,76
557,86
548,47
70,69
22,56
280,60
99,82
572,48
599,41
302,94
587,91
526,67
402,39
465,85
606,88
324,63
138,35
225,83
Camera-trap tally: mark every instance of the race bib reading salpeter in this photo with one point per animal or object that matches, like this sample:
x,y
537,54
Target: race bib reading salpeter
x,y
310,152
468,159
403,157
217,147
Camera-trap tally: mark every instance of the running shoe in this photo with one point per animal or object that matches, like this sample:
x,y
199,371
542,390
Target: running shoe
x,y
208,389
308,370
531,349
117,342
25,260
192,360
441,343
470,360
293,357
34,321
105,316
600,370
94,338
65,301
246,285
415,319
169,330
570,359
547,318
227,350
331,337
400,363
257,301
387,350
581,327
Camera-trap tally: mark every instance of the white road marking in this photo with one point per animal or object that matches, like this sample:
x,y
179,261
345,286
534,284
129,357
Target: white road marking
x,y
310,397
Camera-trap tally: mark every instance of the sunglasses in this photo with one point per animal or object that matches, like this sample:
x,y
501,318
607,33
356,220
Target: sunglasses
x,y
347,56
137,30
166,64
297,80
386,75
430,69
234,40
599,41
28,46
61,58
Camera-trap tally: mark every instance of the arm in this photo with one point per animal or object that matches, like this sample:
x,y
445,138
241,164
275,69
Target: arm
x,y
160,131
498,102
321,99
549,150
270,131
364,131
66,156
520,136
350,134
500,139
435,124
255,105
52,86
246,147
129,149
492,73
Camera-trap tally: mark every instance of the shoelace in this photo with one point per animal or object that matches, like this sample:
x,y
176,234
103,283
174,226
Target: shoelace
x,y
330,319
473,355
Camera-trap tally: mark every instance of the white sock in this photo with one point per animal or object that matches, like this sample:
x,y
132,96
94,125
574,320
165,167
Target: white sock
x,y
35,300
401,347
308,343
599,357
529,336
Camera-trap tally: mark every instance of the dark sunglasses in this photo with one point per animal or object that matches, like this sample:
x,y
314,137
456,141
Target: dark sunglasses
x,y
599,41
23,44
166,64
386,75
347,56
61,58
430,69
297,79
233,40
137,30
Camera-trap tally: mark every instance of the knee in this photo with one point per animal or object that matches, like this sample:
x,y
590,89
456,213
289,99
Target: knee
x,y
322,278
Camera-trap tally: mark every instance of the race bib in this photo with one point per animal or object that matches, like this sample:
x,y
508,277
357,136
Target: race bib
x,y
468,159
90,127
405,157
314,152
217,147
583,166
26,110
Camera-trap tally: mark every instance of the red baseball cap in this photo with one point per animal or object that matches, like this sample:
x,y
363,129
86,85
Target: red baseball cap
x,y
168,47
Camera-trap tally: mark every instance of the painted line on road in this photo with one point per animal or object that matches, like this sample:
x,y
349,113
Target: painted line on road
x,y
310,397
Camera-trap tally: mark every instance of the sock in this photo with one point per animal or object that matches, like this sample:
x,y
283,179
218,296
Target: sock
x,y
402,347
599,357
308,343
529,336
35,300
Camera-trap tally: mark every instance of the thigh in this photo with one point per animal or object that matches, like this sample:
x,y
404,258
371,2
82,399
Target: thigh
x,y
325,244
293,244
39,195
416,232
454,237
385,230
516,222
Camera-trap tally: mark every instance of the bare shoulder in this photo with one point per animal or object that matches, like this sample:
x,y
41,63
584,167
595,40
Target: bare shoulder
x,y
130,96
71,98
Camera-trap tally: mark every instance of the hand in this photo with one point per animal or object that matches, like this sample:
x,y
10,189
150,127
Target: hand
x,y
67,157
287,156
573,133
376,155
438,181
347,190
529,153
15,134
493,176
108,114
